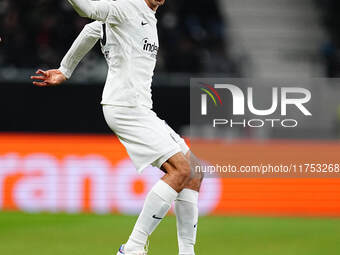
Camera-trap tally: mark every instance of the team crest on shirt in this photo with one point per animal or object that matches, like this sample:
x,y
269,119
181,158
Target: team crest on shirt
x,y
150,47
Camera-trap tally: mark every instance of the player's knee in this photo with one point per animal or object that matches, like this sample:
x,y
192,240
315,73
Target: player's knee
x,y
198,176
195,181
183,172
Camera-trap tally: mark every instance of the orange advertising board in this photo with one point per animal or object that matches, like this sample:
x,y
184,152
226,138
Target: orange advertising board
x,y
92,173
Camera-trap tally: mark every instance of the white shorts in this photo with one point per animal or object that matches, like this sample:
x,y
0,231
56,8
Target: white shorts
x,y
147,139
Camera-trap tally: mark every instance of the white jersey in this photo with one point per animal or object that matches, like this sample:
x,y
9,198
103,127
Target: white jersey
x,y
127,29
128,36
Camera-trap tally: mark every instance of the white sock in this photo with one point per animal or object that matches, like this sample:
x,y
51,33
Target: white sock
x,y
156,206
186,210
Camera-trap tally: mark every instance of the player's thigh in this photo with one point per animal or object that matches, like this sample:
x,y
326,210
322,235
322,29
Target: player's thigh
x,y
183,167
177,164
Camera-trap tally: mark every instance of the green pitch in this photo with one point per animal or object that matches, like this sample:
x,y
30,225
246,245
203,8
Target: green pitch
x,y
60,234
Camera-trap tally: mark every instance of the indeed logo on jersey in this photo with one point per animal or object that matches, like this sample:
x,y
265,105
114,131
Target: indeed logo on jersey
x,y
150,47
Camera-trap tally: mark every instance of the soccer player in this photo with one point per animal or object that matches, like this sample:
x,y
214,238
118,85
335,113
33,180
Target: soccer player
x,y
129,41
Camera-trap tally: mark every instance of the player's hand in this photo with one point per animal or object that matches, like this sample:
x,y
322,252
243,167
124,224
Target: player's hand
x,y
48,78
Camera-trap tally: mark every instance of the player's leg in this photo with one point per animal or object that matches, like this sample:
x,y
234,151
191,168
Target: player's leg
x,y
186,203
159,200
186,210
148,140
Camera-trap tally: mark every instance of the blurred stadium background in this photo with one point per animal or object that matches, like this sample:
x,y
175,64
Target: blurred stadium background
x,y
59,160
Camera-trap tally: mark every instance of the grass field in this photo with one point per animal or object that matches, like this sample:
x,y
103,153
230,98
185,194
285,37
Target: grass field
x,y
60,234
